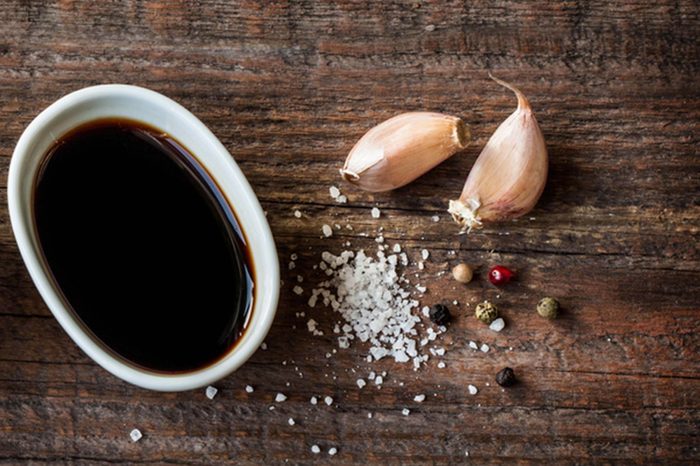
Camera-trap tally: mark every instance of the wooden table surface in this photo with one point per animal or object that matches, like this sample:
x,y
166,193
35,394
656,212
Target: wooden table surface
x,y
289,87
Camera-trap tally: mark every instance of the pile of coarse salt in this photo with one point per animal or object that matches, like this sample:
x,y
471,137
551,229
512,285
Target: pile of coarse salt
x,y
367,293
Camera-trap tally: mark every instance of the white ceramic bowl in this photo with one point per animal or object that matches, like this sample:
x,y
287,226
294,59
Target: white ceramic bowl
x,y
158,111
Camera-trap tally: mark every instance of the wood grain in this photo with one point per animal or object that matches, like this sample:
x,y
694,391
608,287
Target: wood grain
x,y
288,87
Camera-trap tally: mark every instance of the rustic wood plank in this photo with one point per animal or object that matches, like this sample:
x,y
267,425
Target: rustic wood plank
x,y
288,87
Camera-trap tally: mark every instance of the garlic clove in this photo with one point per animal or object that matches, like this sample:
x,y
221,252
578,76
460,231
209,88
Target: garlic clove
x,y
402,148
509,175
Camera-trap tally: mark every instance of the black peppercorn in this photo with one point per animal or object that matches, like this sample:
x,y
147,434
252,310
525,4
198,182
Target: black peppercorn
x,y
505,377
440,314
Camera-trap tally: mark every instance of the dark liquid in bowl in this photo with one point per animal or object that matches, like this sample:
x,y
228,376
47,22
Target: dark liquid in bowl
x,y
143,245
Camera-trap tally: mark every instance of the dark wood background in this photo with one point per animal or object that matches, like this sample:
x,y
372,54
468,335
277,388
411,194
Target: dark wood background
x,y
288,87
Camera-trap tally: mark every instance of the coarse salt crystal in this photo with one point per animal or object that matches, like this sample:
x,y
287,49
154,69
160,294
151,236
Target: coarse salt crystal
x,y
315,449
473,345
497,325
263,346
419,398
342,199
211,392
332,451
378,380
376,212
297,214
291,421
425,254
280,397
334,192
327,230
441,365
435,218
396,248
361,383
313,400
135,435
298,290
249,389
328,400
485,348
406,411
472,389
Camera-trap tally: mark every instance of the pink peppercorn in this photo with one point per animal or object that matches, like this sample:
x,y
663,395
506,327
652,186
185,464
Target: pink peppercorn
x,y
498,275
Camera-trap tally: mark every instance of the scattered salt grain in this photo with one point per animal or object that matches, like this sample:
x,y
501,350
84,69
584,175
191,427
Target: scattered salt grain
x,y
473,345
369,415
313,400
280,397
472,390
327,230
263,346
419,398
297,214
328,400
249,389
332,451
498,324
334,192
376,212
485,348
430,28
441,365
361,383
425,254
211,392
406,412
135,435
396,248
342,199
291,421
315,449
378,380
421,265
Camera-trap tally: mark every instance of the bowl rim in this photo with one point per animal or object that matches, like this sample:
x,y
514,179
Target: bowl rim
x,y
251,219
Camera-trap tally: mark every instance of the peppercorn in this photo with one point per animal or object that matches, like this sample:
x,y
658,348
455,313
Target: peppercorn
x,y
440,315
486,312
462,273
499,275
548,307
505,377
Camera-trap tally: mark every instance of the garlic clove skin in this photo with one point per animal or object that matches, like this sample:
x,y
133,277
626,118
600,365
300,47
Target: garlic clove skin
x,y
402,148
509,175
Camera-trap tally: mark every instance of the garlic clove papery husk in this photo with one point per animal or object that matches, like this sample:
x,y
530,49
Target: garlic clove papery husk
x,y
402,148
509,175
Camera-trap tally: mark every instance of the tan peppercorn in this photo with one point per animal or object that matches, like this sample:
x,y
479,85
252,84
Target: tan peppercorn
x,y
486,312
548,308
462,273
